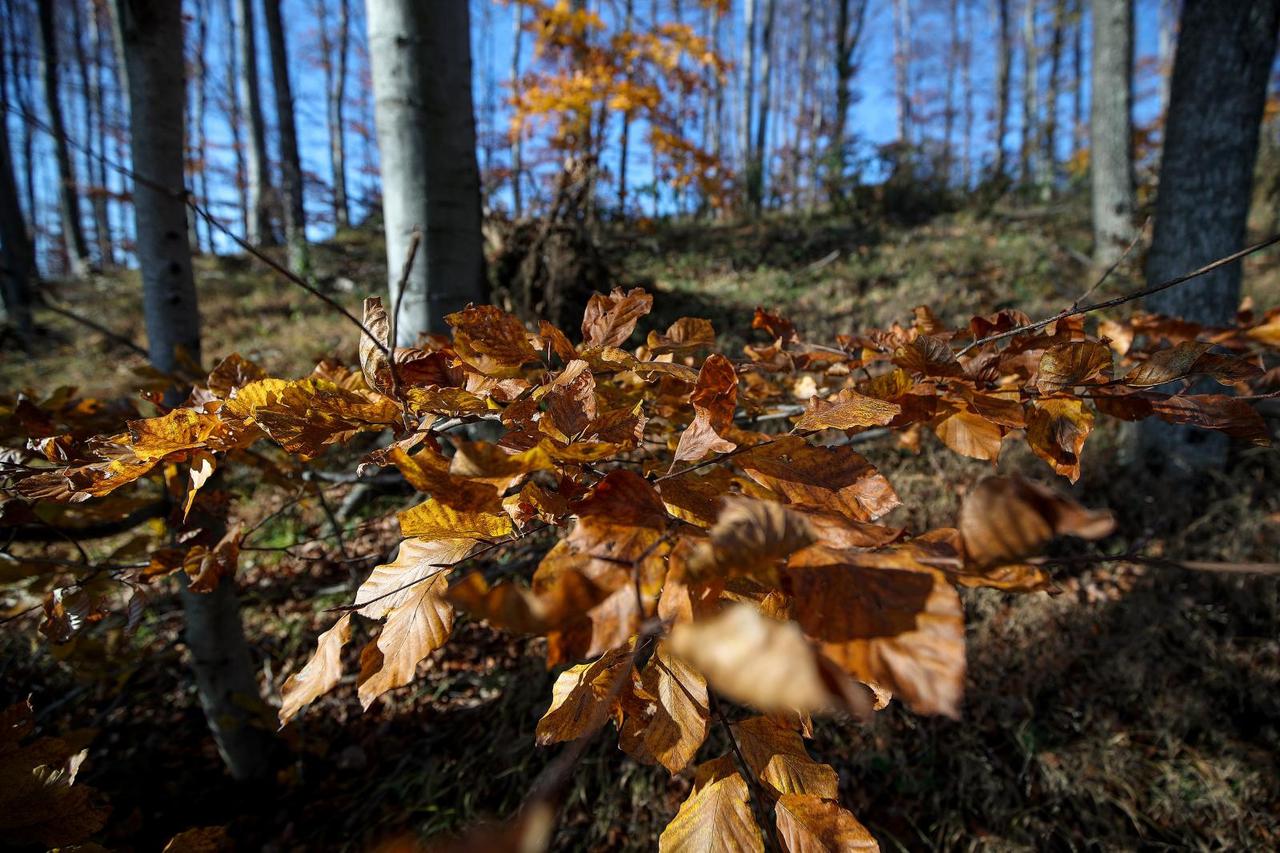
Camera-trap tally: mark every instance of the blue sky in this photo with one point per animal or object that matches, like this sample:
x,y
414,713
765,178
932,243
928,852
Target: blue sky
x,y
872,119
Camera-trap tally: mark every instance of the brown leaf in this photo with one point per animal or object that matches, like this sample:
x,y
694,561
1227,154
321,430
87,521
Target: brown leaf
x,y
777,756
695,496
778,327
849,410
714,398
1217,412
928,355
514,608
716,817
1007,519
490,339
969,434
437,520
1167,365
583,696
755,660
569,403
418,622
320,675
610,320
830,479
684,336
750,538
666,722
1063,366
373,350
815,825
1056,432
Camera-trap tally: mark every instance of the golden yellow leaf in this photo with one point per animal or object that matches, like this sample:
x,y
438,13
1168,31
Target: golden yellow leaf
x,y
808,824
435,519
667,718
583,696
716,817
849,410
320,675
776,755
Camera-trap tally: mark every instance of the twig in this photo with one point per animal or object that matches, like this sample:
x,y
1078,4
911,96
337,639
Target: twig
x,y
50,305
1114,264
753,784
1128,297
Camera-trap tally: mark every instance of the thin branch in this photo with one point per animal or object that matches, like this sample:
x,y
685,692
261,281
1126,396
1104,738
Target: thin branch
x,y
1114,265
415,238
1128,297
47,302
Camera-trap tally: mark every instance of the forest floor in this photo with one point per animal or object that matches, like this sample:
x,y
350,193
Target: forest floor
x,y
1132,708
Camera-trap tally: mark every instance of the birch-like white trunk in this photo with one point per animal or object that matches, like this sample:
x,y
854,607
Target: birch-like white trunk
x,y
150,35
421,61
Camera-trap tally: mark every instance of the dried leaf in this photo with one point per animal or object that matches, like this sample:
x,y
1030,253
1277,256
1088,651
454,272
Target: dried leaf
x,y
831,479
583,696
1063,366
716,818
667,718
848,411
777,756
320,675
714,398
1056,432
809,824
610,320
1007,519
969,434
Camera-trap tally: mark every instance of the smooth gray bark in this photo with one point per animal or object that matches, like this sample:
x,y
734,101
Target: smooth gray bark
x,y
1111,129
150,33
1217,97
68,190
902,67
335,86
257,176
291,187
421,61
748,80
1030,95
233,114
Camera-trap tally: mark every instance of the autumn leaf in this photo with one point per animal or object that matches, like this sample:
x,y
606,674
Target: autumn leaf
x,y
490,339
1004,520
714,398
776,755
928,355
610,320
808,824
435,519
969,434
1056,431
583,696
750,538
1063,366
716,817
848,411
1230,415
683,336
374,345
320,675
418,623
750,658
1167,365
667,712
830,479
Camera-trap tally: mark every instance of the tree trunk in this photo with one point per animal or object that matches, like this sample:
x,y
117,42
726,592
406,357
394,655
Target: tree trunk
x,y
902,67
199,145
949,110
850,16
517,133
421,62
291,187
966,88
15,244
257,176
101,233
336,96
233,115
97,168
1078,127
150,33
68,199
1003,64
748,81
1217,98
1030,95
1111,129
759,152
1049,153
